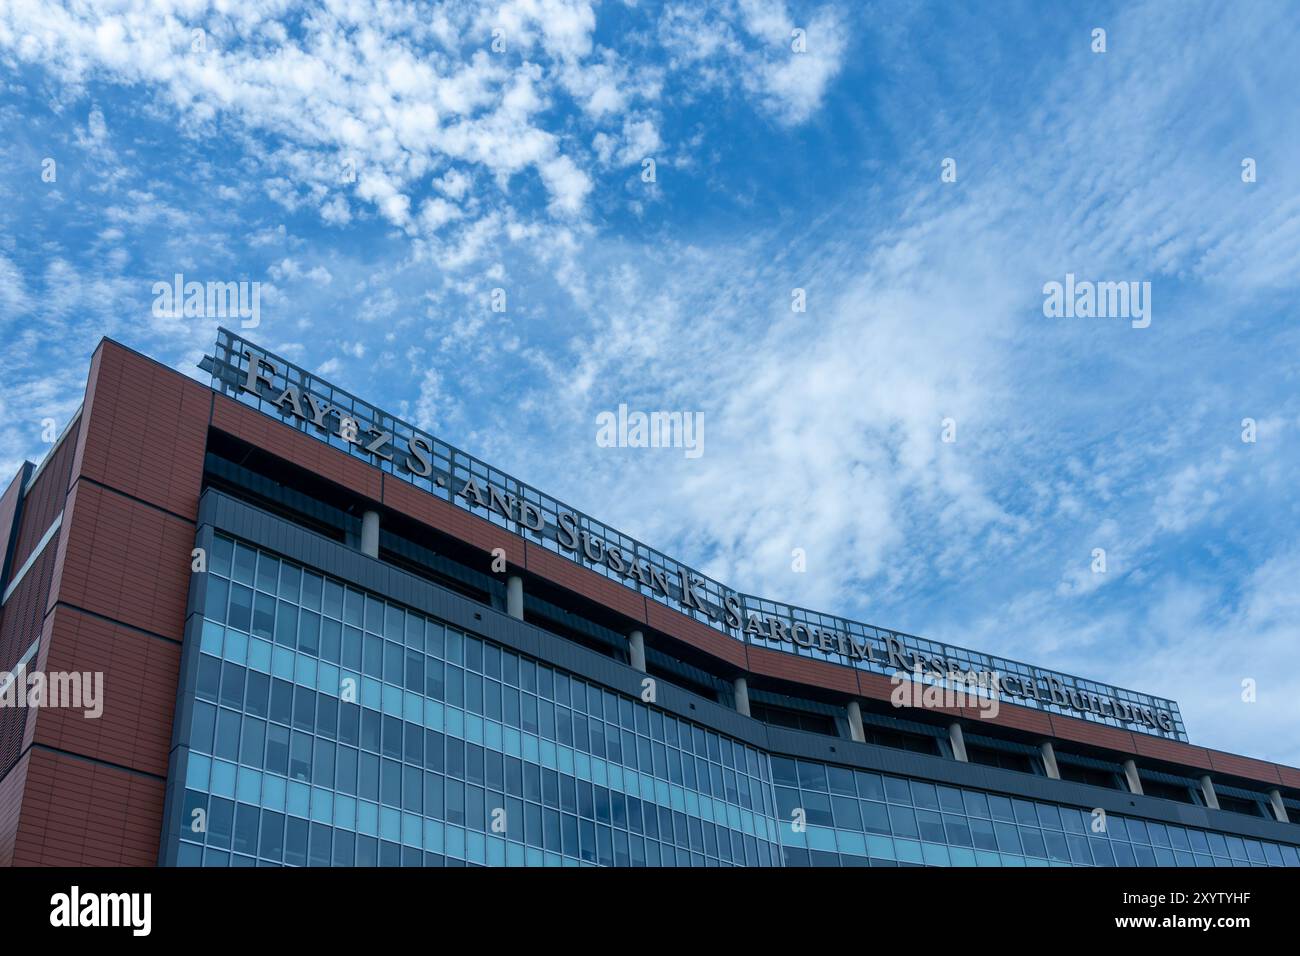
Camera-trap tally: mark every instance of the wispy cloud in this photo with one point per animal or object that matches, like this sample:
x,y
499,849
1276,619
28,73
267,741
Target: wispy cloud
x,y
451,212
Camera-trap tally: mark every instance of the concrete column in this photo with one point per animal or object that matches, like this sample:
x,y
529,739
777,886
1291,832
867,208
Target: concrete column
x,y
742,696
636,650
370,534
1279,808
1131,777
1207,791
855,722
515,597
1049,759
958,741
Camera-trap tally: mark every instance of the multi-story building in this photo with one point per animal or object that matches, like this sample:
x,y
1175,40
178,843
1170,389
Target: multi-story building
x,y
329,638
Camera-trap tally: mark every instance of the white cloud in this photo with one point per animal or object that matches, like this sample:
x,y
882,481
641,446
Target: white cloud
x,y
437,212
336,212
454,183
793,86
290,269
13,290
750,46
355,83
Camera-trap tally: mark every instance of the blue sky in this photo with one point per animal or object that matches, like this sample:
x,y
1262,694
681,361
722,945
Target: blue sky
x,y
521,169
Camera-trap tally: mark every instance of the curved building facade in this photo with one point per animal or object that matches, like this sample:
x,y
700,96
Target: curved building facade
x,y
327,638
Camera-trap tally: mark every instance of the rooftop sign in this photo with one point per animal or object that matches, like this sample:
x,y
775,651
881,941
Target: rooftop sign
x,y
257,378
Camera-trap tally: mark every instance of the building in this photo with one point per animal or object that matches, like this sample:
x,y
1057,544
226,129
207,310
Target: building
x,y
326,637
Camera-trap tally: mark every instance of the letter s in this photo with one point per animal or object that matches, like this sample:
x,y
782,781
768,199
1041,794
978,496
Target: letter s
x,y
568,531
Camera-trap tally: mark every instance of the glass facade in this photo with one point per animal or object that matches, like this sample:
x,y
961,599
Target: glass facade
x,y
852,817
333,728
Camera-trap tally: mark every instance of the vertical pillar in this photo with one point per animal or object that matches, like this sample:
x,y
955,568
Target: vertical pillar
x,y
515,597
636,650
855,722
742,696
370,534
1207,791
958,741
1279,808
1131,777
1049,759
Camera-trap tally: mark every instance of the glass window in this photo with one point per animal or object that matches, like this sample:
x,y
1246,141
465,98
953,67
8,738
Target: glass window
x,y
976,803
903,821
223,551
897,790
846,812
290,582
245,562
930,823
841,781
950,800
1025,812
812,776
982,833
784,772
924,795
958,829
268,573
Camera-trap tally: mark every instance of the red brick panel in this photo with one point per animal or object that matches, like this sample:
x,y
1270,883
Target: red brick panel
x,y
1245,767
574,577
915,695
692,632
145,429
1289,776
139,692
410,501
78,813
874,686
279,439
1096,735
1016,717
124,560
1173,751
802,670
881,688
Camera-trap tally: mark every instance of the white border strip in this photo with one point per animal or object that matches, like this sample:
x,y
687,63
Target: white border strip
x,y
49,455
36,553
17,668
